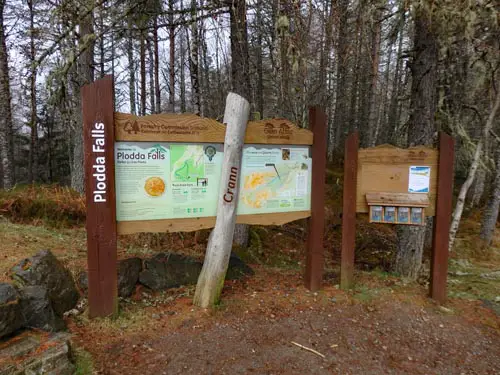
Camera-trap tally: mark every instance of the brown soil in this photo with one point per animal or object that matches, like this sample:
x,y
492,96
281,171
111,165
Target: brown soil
x,y
383,327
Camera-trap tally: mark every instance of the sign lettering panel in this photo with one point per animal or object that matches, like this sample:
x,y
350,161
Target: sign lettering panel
x,y
160,180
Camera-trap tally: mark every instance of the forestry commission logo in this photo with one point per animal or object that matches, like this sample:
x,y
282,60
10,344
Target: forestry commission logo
x,y
132,127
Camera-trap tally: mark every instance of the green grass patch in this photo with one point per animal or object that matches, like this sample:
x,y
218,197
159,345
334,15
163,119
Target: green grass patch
x,y
84,364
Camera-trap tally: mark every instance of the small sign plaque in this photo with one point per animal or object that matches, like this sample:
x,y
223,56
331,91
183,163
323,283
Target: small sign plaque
x,y
419,179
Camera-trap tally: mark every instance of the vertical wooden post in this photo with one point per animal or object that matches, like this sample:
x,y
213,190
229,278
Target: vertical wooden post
x,y
349,210
98,135
315,258
442,220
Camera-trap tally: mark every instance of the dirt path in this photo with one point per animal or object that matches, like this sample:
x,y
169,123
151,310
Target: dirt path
x,y
376,330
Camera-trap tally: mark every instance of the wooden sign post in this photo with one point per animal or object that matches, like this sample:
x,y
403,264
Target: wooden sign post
x,y
380,177
315,250
167,168
99,167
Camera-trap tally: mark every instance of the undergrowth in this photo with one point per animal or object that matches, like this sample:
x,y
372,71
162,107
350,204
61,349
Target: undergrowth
x,y
50,205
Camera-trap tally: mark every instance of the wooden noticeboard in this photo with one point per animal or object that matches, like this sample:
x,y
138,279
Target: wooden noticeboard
x,y
380,177
103,129
385,169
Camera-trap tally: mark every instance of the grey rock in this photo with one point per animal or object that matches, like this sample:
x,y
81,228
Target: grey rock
x,y
37,310
27,357
128,275
495,275
46,270
169,270
10,310
237,268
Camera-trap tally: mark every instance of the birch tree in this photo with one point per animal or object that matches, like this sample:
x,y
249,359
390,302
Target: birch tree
x,y
459,207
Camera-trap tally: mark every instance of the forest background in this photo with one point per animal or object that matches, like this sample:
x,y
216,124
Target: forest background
x,y
397,71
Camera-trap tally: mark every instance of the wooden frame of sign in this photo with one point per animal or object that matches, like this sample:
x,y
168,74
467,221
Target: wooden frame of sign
x,y
378,177
102,127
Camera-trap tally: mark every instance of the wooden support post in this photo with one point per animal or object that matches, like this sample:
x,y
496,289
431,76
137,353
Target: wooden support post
x,y
98,136
442,220
315,258
220,242
349,211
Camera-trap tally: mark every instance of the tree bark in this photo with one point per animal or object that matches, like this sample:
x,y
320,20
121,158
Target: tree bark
x,y
152,90
6,139
171,38
156,66
341,89
240,78
85,75
182,77
459,207
421,129
131,67
490,216
142,52
33,162
213,273
375,58
194,66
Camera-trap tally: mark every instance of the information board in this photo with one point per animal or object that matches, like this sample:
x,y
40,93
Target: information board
x,y
161,180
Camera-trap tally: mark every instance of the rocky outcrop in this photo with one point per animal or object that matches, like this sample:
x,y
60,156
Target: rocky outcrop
x,y
37,310
45,270
237,268
10,310
169,270
128,275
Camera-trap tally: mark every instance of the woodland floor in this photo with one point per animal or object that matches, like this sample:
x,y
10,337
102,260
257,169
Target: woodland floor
x,y
383,326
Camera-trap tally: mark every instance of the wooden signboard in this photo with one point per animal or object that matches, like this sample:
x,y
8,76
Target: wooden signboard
x,y
401,187
167,171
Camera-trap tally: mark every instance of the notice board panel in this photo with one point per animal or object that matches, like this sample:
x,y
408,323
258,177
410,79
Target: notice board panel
x,y
387,169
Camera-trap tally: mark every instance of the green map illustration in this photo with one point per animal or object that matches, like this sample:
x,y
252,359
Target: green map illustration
x,y
274,186
187,163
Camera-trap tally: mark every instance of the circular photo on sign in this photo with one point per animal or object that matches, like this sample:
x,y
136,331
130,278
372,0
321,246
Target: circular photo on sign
x,y
154,186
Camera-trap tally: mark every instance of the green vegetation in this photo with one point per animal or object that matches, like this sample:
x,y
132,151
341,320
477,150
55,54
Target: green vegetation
x,y
84,365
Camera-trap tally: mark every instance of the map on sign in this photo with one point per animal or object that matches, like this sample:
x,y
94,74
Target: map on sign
x,y
274,180
187,162
176,180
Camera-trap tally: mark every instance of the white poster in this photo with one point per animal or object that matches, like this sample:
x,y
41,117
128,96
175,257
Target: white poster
x,y
419,179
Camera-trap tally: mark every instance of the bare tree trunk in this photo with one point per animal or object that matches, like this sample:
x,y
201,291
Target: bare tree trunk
x,y
33,162
171,38
182,77
339,121
213,273
421,129
102,53
142,52
490,216
260,75
6,139
85,75
394,114
131,67
240,78
375,58
457,213
151,72
194,66
156,66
